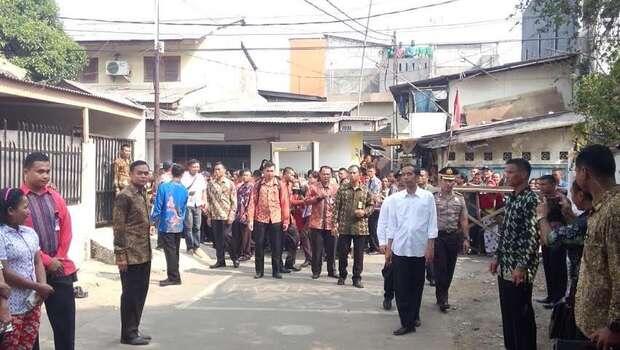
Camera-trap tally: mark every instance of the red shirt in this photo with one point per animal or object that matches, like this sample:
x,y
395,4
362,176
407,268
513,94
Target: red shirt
x,y
64,236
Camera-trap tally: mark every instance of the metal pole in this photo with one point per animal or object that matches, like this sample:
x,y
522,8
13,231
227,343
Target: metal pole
x,y
359,96
395,73
156,152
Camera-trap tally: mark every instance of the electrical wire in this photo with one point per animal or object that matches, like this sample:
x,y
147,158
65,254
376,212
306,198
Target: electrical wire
x,y
343,22
354,20
265,24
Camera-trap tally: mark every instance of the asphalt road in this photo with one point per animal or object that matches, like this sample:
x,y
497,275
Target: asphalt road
x,y
228,309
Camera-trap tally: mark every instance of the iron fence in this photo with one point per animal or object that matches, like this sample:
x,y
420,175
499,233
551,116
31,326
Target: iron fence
x,y
106,150
63,149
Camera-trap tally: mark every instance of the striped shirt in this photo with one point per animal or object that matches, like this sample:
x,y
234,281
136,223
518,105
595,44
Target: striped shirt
x,y
45,221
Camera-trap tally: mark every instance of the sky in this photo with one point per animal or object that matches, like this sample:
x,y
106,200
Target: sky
x,y
455,22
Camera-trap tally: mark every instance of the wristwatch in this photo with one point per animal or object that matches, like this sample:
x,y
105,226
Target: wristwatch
x,y
614,326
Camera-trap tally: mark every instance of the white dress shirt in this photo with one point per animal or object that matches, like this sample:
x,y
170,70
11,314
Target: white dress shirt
x,y
409,221
196,184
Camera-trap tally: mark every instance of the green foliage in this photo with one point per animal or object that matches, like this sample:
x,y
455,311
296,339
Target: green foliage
x,y
31,36
597,96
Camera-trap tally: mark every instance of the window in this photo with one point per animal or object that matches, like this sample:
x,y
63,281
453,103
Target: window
x,y
545,155
527,156
90,74
169,68
451,156
507,156
469,156
488,155
563,155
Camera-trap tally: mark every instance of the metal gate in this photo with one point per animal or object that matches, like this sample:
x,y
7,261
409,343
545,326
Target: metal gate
x,y
106,150
20,138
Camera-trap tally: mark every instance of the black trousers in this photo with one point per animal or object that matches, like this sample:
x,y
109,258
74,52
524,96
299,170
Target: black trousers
x,y
518,320
135,284
274,231
291,242
323,241
344,247
373,240
409,285
238,244
388,281
224,241
556,272
60,307
446,253
172,242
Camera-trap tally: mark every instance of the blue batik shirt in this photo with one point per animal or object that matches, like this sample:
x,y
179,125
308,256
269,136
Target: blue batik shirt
x,y
169,207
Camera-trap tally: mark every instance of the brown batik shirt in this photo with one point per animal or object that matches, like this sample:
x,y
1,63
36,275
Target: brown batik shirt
x,y
131,225
598,289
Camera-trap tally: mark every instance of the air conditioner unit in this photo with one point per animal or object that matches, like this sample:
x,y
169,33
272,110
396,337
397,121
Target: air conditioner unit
x,y
117,68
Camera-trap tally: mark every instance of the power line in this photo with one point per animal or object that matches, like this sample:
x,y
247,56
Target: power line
x,y
355,21
343,22
265,24
295,33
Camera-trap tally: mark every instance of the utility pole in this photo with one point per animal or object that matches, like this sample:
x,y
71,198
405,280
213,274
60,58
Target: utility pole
x,y
156,153
395,82
359,96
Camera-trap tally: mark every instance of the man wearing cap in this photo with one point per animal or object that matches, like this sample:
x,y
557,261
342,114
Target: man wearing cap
x,y
451,217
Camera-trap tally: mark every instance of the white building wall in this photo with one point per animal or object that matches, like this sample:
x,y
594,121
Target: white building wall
x,y
513,82
553,141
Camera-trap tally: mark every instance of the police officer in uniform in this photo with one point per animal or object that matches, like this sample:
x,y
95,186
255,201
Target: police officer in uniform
x,y
451,220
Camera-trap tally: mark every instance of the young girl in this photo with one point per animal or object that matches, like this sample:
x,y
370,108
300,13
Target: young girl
x,y
23,270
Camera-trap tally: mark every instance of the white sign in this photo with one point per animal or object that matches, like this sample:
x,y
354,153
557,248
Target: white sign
x,y
356,126
291,146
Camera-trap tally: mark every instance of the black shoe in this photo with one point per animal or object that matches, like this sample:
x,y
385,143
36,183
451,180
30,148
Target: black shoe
x,y
167,282
258,275
387,304
546,300
244,258
315,276
444,307
236,264
145,336
137,340
341,281
305,264
358,284
431,283
217,265
418,323
277,276
332,275
294,268
404,330
548,306
285,270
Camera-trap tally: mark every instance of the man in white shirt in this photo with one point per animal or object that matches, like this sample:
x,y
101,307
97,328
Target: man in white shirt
x,y
410,225
196,185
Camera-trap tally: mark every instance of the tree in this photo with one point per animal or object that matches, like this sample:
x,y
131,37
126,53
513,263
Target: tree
x,y
31,36
597,96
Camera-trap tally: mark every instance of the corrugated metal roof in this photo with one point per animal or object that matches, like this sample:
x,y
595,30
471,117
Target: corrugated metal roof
x,y
501,128
146,95
191,116
279,107
443,79
79,92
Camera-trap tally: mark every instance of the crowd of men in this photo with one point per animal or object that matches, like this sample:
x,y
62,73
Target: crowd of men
x,y
416,226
